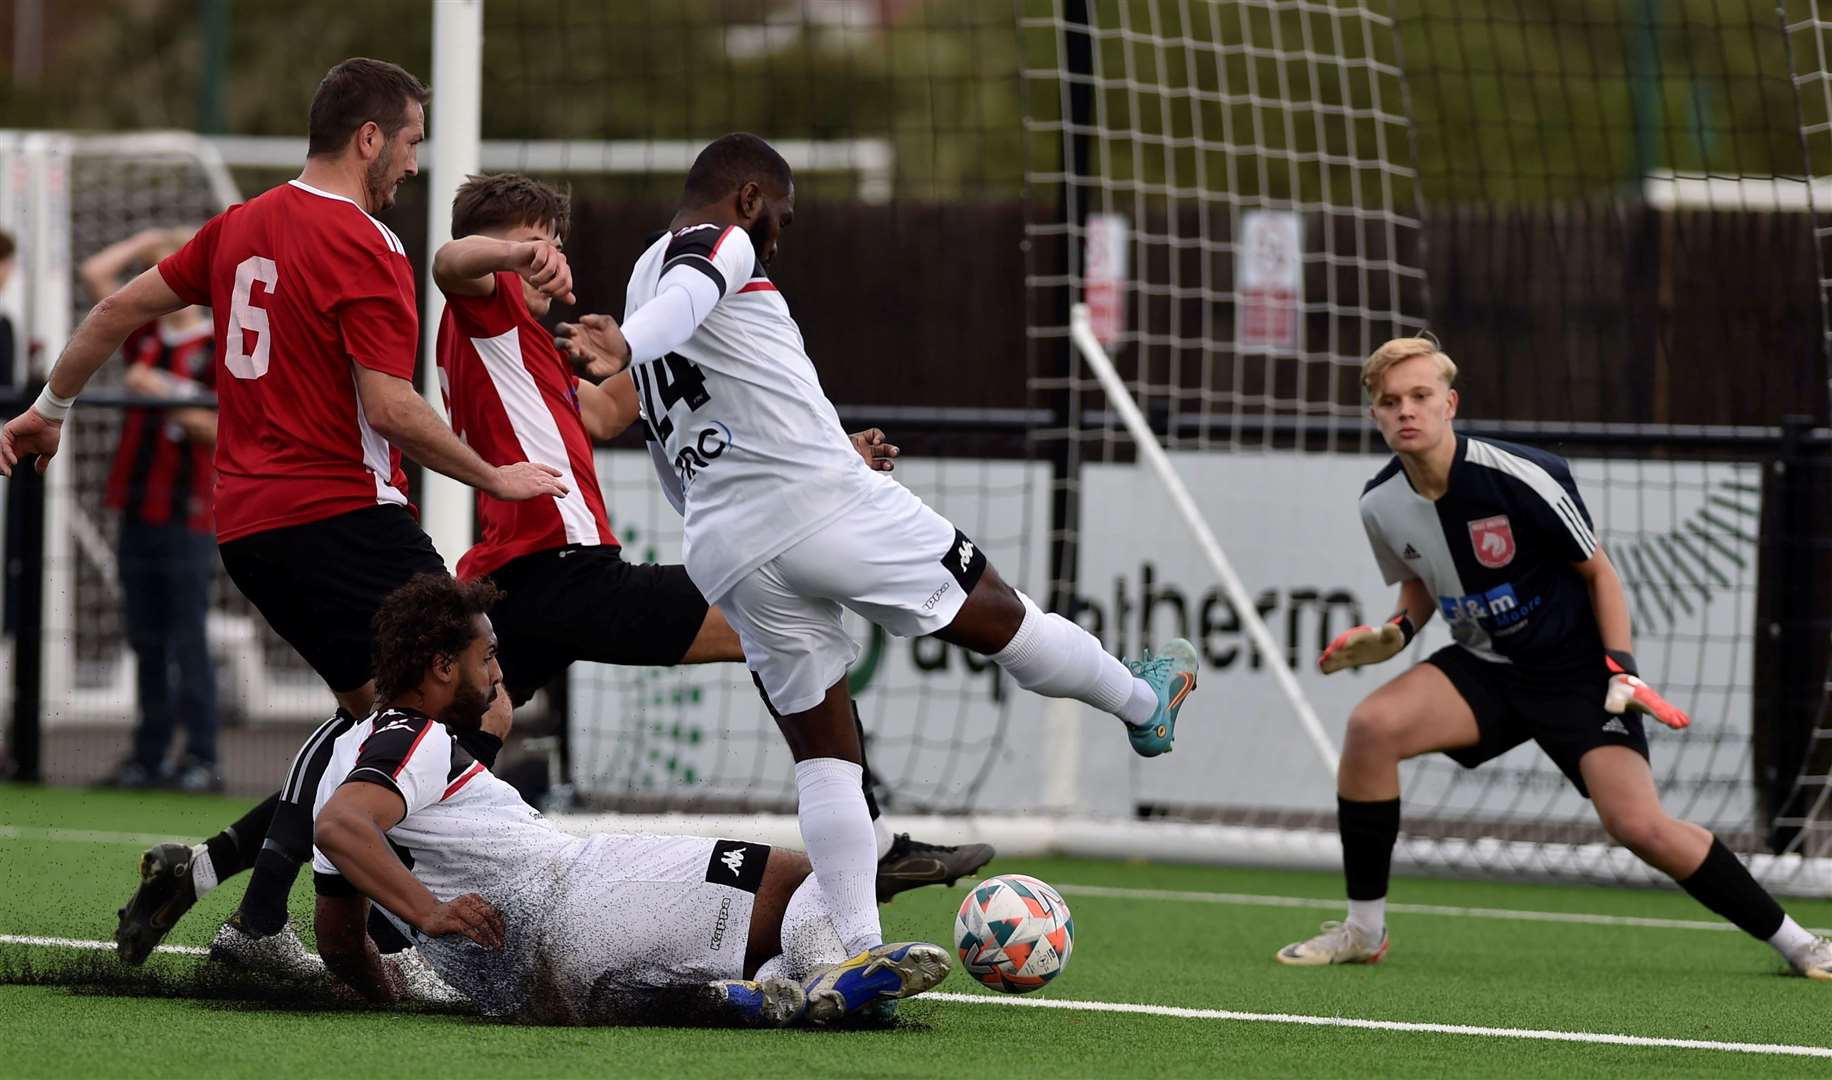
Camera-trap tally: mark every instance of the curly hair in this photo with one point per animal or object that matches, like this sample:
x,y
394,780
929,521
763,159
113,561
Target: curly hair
x,y
429,617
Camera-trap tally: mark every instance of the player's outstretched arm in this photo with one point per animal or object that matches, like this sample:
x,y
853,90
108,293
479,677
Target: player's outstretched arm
x,y
350,830
342,927
1626,690
1363,645
468,266
608,408
395,409
38,429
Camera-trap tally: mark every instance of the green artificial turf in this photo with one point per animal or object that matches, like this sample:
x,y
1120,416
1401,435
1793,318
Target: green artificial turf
x,y
67,858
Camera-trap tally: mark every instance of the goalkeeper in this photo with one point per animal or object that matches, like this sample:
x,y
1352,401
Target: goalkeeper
x,y
1496,536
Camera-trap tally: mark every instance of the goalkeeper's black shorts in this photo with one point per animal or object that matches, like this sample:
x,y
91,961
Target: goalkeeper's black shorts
x,y
1564,714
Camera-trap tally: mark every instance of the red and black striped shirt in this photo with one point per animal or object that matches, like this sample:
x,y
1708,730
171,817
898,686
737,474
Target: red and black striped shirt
x,y
160,477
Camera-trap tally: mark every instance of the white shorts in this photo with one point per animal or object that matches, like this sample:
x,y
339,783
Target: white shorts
x,y
637,914
889,558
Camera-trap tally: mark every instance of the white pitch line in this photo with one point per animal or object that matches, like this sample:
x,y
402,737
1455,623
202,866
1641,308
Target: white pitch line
x,y
94,836
80,943
1177,1012
1321,904
1385,1025
78,836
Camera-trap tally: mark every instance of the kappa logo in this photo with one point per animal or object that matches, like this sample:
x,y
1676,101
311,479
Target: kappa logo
x,y
719,924
734,864
964,562
402,724
1615,725
1410,552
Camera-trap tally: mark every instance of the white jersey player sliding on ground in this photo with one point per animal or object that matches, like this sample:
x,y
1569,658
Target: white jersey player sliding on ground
x,y
786,527
527,921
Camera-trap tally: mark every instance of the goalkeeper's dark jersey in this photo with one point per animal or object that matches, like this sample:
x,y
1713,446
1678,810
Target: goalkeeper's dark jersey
x,y
1496,550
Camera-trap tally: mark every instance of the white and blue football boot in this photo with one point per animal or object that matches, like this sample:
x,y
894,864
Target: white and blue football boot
x,y
882,974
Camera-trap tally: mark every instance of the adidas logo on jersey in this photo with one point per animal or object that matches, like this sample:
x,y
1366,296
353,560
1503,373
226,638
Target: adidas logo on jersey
x,y
734,860
966,554
1410,552
1614,724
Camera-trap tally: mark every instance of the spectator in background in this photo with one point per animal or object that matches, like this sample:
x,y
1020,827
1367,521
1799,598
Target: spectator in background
x,y
161,482
7,342
9,540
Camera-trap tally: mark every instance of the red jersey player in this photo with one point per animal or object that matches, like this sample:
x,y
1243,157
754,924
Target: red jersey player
x,y
567,593
317,328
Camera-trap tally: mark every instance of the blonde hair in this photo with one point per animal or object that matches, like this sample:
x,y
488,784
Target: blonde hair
x,y
1400,349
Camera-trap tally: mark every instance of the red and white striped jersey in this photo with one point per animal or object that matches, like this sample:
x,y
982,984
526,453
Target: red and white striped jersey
x,y
512,397
302,285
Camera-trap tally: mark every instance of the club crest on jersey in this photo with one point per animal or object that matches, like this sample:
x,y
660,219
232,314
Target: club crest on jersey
x,y
1493,539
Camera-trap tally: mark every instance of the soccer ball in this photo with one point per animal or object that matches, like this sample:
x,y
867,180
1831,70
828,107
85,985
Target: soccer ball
x,y
1014,933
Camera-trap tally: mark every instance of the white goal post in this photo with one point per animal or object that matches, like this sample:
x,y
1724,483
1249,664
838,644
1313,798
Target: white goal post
x,y
1081,332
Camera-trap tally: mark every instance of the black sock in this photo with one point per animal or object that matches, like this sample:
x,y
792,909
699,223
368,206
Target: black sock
x,y
1724,885
1368,831
288,844
871,796
388,939
234,849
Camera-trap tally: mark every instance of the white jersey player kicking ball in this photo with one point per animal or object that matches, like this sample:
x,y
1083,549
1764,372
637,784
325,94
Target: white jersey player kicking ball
x,y
786,527
534,924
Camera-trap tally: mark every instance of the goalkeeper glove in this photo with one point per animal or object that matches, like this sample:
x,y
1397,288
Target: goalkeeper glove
x,y
1367,644
1627,691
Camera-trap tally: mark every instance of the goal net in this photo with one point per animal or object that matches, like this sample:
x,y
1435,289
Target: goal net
x,y
67,196
1254,195
1590,210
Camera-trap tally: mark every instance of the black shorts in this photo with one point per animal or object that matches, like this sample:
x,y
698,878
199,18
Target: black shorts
x,y
319,584
1563,714
587,603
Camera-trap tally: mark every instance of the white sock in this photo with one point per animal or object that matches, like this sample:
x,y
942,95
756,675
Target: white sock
x,y
1791,938
809,941
885,839
837,831
1369,916
203,871
776,967
1052,656
1143,706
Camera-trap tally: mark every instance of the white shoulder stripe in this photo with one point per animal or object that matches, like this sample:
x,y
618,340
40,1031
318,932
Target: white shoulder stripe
x,y
388,236
1542,483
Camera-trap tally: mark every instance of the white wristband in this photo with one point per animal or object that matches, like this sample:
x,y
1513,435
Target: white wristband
x,y
52,407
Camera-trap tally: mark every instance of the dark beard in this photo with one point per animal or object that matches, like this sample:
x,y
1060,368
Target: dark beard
x,y
759,231
375,181
469,703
